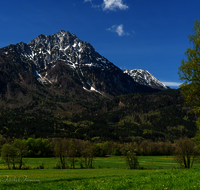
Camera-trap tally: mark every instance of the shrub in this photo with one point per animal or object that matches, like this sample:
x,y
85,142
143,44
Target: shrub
x,y
26,167
41,166
117,152
132,160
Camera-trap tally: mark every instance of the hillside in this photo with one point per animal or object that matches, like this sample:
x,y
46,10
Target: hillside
x,y
158,116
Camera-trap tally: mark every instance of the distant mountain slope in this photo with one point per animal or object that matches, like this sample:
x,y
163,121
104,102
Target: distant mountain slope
x,y
145,78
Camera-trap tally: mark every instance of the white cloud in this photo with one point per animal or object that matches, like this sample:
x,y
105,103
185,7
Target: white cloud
x,y
171,83
118,29
113,5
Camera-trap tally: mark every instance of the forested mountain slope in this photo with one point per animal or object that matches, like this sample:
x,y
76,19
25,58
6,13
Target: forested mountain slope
x,y
158,116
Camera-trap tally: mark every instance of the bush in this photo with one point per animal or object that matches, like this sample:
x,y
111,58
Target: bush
x,y
26,167
41,166
117,152
132,160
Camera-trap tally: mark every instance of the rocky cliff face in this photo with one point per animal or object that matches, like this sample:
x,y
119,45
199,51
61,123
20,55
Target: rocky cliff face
x,y
55,59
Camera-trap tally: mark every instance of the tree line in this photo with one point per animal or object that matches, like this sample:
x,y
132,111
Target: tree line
x,y
72,151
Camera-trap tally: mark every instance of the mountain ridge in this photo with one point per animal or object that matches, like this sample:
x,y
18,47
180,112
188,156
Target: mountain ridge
x,y
52,88
94,71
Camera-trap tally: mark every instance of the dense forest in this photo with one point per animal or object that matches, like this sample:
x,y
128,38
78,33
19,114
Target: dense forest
x,y
161,116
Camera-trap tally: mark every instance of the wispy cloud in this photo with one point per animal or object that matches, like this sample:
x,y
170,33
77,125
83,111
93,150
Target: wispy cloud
x,y
172,83
118,29
110,5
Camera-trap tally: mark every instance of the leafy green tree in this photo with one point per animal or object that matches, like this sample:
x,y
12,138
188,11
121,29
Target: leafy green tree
x,y
60,148
30,142
72,152
88,153
38,147
9,154
46,147
22,150
186,151
117,152
98,151
189,71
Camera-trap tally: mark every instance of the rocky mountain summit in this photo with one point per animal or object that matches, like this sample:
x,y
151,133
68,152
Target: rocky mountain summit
x,y
145,78
62,60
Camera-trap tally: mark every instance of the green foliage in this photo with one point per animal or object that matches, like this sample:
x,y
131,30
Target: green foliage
x,y
14,153
132,160
98,151
117,152
189,71
38,147
197,135
9,155
60,148
21,150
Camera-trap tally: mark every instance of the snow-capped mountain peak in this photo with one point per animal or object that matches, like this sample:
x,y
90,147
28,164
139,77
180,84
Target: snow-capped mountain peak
x,y
144,77
52,59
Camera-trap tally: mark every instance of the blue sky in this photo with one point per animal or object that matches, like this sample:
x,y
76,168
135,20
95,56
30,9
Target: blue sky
x,y
150,35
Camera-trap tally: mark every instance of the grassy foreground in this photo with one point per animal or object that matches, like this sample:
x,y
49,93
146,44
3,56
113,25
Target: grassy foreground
x,y
115,177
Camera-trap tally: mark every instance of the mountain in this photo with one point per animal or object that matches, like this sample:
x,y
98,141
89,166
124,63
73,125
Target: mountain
x,y
57,60
145,78
58,85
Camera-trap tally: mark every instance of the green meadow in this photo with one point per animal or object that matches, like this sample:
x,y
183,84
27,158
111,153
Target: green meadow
x,y
111,172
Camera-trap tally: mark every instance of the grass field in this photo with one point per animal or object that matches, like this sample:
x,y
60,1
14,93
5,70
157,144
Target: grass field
x,y
160,172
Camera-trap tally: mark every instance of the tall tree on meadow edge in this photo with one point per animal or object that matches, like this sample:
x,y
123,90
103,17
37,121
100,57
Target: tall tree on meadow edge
x,y
22,150
10,155
185,152
88,153
73,147
189,71
60,149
